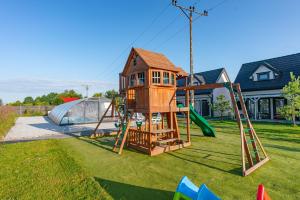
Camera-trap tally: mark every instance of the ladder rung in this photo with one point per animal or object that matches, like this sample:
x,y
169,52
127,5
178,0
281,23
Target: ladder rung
x,y
250,141
254,152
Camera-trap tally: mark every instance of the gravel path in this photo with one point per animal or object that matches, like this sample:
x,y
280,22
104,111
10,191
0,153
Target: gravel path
x,y
37,128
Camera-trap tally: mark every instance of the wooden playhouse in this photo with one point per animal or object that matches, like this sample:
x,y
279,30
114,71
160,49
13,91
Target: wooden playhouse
x,y
148,83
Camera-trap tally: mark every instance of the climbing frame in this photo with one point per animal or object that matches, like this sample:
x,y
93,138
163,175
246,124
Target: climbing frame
x,y
253,154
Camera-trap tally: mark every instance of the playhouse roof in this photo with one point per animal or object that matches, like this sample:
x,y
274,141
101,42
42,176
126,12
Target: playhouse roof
x,y
152,60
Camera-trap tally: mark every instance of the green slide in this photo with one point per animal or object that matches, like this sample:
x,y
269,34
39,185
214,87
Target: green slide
x,y
202,123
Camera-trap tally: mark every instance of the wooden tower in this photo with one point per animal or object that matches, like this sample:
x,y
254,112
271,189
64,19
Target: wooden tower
x,y
148,83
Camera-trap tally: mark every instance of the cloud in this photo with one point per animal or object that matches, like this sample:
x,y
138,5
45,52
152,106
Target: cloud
x,y
17,89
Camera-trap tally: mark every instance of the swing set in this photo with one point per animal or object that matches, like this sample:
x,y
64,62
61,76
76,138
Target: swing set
x,y
148,86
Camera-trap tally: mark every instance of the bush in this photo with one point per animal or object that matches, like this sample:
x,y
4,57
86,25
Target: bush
x,y
7,119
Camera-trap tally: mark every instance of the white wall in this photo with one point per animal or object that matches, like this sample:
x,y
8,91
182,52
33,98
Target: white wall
x,y
218,91
262,69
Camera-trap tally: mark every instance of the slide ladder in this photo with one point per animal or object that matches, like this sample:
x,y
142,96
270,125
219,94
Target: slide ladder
x,y
202,123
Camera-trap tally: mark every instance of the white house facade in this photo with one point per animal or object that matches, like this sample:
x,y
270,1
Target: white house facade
x,y
262,82
204,99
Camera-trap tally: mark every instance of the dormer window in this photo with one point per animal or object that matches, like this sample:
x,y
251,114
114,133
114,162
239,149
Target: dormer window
x,y
263,76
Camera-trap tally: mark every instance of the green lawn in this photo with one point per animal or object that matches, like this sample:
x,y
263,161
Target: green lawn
x,y
83,168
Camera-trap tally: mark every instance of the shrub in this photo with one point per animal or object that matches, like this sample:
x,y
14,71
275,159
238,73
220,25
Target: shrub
x,y
7,119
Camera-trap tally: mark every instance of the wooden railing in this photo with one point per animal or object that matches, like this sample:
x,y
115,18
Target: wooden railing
x,y
139,138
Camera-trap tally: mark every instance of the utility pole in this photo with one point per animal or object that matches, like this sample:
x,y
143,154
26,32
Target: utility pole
x,y
188,12
86,90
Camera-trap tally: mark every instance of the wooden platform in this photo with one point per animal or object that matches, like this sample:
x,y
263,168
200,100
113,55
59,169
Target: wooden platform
x,y
160,149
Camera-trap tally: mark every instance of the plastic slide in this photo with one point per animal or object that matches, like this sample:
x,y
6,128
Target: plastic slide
x,y
262,193
202,123
189,191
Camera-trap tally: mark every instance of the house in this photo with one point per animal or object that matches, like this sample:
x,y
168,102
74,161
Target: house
x,y
205,98
262,82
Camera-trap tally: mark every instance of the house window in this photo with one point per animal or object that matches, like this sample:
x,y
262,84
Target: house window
x,y
141,78
132,80
156,77
172,79
263,76
166,78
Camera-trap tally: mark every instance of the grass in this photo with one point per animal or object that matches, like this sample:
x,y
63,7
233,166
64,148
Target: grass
x,y
42,170
7,120
82,168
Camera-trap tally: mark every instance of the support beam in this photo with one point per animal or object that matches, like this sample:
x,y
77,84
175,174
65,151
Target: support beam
x,y
202,87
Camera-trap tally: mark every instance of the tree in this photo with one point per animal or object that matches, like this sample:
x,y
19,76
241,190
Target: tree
x,y
1,102
70,93
111,93
99,94
17,103
291,92
221,105
28,100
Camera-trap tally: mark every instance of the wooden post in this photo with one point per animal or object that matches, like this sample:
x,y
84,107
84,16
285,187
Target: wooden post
x,y
150,131
94,132
187,102
125,136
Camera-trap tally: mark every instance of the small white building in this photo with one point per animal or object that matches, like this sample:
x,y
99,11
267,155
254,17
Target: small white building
x,y
205,98
262,82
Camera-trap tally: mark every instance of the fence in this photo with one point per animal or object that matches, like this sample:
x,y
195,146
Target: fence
x,y
33,110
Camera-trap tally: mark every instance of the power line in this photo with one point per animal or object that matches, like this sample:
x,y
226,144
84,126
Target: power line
x,y
162,30
140,35
217,5
182,28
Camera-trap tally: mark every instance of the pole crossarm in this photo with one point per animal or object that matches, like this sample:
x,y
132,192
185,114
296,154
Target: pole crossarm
x,y
189,9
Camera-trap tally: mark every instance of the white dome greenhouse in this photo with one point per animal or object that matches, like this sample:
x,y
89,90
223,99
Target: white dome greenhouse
x,y
80,111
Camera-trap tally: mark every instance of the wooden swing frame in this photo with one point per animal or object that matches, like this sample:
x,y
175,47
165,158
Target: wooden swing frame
x,y
235,93
254,140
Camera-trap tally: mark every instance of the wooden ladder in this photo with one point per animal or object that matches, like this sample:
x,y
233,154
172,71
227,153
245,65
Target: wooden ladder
x,y
248,134
121,136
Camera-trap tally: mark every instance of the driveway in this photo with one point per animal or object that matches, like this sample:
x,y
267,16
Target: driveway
x,y
37,128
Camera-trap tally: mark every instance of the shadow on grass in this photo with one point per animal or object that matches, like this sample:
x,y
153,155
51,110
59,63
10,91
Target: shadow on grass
x,y
106,144
293,149
207,157
210,151
235,171
119,190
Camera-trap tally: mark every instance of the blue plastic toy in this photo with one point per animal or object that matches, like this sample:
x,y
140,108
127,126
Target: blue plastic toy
x,y
189,191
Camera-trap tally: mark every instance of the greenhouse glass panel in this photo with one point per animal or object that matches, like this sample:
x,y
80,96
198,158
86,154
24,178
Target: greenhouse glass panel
x,y
81,111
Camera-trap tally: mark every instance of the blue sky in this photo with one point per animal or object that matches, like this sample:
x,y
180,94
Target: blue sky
x,y
52,45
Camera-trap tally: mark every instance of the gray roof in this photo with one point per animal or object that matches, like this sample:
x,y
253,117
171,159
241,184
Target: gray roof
x,y
281,65
209,77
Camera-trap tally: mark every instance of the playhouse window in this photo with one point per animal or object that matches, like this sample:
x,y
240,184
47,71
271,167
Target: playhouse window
x,y
132,80
166,78
172,79
155,77
141,78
